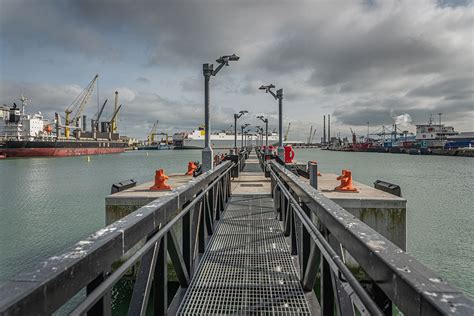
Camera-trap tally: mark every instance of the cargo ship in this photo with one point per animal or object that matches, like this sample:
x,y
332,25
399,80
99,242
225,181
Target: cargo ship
x,y
25,135
219,140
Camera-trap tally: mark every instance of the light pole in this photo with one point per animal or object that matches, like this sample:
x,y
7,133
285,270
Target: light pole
x,y
208,71
257,137
236,117
265,120
243,127
278,96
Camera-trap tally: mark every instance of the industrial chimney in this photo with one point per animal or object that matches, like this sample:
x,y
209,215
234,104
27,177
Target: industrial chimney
x,y
329,128
324,129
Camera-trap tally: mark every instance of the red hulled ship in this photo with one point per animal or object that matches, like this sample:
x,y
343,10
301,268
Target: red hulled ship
x,y
25,135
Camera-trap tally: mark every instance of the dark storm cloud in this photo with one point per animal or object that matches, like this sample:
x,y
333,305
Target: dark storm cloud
x,y
364,60
450,89
28,24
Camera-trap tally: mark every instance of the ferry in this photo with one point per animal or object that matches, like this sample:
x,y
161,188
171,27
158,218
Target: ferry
x,y
219,140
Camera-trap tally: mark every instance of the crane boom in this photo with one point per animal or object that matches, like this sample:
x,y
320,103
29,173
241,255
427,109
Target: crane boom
x,y
312,136
115,113
78,104
285,138
99,114
151,135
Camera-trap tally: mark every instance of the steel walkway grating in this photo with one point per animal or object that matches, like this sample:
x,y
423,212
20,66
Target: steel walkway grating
x,y
247,267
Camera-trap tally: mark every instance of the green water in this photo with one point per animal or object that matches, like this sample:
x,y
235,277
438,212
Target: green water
x,y
47,204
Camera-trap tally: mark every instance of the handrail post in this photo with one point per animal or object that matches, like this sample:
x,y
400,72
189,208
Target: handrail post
x,y
187,242
305,244
102,307
161,279
313,174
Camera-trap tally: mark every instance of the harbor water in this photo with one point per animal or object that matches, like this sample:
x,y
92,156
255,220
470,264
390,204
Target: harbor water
x,y
47,204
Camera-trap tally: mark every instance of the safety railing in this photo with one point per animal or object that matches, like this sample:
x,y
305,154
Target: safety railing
x,y
145,237
323,235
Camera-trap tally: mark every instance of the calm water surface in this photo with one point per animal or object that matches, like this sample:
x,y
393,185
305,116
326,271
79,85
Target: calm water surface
x,y
47,204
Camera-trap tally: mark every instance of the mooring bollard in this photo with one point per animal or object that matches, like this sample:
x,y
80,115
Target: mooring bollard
x,y
346,182
191,168
160,181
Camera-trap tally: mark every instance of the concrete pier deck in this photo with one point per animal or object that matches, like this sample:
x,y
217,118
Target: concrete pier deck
x,y
120,204
384,212
247,267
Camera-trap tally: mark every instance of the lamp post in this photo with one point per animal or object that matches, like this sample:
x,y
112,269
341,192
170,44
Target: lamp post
x,y
257,137
265,120
208,71
243,127
236,117
260,136
278,96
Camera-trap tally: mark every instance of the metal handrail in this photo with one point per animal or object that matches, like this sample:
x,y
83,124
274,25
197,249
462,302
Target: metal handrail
x,y
99,292
60,277
327,251
411,286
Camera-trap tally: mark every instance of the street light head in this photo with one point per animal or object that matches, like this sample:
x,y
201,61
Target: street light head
x,y
225,59
233,57
267,88
261,117
238,115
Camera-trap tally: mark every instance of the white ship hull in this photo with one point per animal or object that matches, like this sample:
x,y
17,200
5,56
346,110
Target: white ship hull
x,y
222,140
217,144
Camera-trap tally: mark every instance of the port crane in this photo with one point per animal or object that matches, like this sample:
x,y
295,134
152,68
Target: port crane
x,y
151,135
95,123
354,137
110,122
285,138
75,109
311,134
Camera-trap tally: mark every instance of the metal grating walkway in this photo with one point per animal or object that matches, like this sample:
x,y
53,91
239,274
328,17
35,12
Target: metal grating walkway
x,y
247,267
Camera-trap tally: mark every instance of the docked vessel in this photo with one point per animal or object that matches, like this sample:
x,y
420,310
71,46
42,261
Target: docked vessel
x,y
219,140
25,135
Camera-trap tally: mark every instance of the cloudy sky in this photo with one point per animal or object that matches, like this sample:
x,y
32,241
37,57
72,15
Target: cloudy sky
x,y
360,61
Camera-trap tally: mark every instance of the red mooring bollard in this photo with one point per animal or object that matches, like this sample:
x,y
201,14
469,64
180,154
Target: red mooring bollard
x,y
160,181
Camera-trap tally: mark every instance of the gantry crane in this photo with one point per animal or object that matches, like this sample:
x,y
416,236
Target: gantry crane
x,y
75,109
